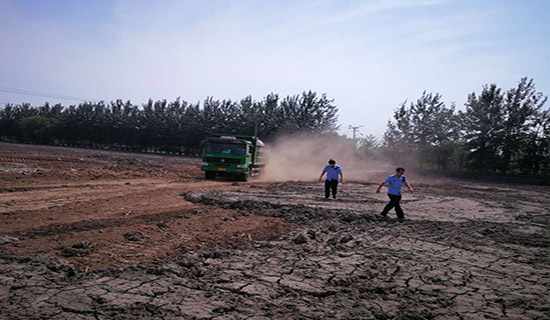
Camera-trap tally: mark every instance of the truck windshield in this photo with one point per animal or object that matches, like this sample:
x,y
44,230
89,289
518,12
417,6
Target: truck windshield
x,y
227,148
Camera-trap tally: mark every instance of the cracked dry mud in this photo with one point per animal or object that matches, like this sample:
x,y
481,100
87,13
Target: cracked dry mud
x,y
466,251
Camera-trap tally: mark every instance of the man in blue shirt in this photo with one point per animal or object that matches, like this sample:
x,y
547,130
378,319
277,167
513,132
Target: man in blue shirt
x,y
394,192
332,171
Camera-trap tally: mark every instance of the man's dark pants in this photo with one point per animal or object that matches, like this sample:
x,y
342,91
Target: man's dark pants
x,y
331,185
394,202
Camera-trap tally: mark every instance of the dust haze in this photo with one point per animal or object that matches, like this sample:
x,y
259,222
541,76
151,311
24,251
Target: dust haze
x,y
301,157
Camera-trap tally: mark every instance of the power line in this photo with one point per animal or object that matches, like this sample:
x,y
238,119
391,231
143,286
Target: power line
x,y
43,94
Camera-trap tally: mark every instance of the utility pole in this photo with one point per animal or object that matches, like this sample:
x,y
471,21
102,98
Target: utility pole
x,y
354,130
258,116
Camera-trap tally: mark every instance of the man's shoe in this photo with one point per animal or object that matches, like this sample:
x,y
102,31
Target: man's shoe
x,y
400,219
385,215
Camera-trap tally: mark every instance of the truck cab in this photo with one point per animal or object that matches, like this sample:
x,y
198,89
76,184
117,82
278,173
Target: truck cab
x,y
233,155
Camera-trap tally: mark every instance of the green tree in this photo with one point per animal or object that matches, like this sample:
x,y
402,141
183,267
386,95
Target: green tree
x,y
309,113
38,129
482,128
169,126
521,126
424,132
369,146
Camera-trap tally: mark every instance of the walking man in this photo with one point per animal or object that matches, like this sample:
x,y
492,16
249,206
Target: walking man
x,y
394,192
331,183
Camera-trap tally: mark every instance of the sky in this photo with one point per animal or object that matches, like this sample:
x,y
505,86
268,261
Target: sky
x,y
369,56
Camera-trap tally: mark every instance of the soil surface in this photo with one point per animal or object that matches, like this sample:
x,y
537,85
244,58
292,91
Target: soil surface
x,y
87,234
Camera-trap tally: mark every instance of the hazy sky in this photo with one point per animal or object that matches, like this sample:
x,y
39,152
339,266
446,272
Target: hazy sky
x,y
367,55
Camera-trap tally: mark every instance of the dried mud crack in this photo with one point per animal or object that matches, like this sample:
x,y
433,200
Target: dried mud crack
x,y
340,260
474,252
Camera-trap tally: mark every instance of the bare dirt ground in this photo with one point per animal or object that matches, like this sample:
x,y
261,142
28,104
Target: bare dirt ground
x,y
88,234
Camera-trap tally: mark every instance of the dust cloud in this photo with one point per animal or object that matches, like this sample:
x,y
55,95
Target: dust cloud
x,y
301,157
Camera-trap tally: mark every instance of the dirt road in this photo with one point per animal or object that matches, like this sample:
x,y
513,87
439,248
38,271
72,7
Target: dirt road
x,y
101,235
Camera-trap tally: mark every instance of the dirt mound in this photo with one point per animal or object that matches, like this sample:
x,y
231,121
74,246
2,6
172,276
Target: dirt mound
x,y
290,212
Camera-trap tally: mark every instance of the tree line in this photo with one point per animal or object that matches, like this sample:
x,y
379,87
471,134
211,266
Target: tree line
x,y
176,126
503,132
498,131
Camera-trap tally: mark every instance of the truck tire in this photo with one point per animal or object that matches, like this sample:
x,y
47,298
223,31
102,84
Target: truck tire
x,y
209,175
245,176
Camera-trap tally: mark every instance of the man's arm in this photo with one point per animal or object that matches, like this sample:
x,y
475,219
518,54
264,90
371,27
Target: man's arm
x,y
341,177
405,182
322,174
380,187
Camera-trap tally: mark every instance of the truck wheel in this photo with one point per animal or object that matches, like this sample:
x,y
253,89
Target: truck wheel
x,y
209,175
245,176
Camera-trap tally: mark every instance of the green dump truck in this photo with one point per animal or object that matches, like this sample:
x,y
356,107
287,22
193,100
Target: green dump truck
x,y
233,155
